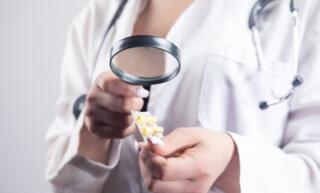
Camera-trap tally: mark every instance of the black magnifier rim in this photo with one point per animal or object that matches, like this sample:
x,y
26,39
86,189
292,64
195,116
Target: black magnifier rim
x,y
150,42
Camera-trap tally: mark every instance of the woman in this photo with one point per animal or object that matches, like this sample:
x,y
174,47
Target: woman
x,y
209,111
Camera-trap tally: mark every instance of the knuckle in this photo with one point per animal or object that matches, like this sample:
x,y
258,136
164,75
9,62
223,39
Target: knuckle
x,y
139,103
89,111
126,105
128,120
144,159
161,170
203,170
106,85
127,91
152,185
91,98
164,172
202,166
102,79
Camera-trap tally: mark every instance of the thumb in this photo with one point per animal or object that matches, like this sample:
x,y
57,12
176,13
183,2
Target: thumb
x,y
175,142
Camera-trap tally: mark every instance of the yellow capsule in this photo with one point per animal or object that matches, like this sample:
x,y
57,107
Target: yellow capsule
x,y
151,120
158,129
154,132
148,125
140,119
145,131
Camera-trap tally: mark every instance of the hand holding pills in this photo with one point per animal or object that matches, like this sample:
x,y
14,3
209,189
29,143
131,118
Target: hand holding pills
x,y
191,160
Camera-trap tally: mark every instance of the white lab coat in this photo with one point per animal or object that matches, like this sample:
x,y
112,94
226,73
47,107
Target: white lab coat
x,y
219,87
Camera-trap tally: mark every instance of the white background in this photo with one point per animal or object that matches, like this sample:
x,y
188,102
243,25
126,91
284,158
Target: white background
x,y
32,36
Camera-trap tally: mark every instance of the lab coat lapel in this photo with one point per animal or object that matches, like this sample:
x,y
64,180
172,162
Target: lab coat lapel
x,y
122,28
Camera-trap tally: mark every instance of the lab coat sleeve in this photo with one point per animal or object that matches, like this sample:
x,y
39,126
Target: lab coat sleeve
x,y
295,166
66,169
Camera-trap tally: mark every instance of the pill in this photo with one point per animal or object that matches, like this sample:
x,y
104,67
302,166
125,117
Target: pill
x,y
147,125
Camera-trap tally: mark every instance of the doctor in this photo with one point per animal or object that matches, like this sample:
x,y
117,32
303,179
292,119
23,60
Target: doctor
x,y
217,139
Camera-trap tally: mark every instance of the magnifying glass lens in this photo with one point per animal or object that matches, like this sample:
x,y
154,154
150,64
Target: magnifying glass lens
x,y
144,64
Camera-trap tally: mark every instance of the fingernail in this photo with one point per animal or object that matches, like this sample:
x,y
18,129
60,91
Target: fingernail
x,y
143,93
137,146
155,141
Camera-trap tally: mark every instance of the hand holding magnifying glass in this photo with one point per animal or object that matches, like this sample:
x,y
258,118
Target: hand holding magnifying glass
x,y
145,60
137,60
107,115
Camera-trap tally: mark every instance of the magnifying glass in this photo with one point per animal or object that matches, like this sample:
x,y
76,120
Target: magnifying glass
x,y
145,60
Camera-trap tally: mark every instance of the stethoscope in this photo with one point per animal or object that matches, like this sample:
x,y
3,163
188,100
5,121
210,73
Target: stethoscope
x,y
157,43
253,25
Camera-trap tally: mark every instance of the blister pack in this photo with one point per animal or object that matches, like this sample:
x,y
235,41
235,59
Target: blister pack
x,y
148,127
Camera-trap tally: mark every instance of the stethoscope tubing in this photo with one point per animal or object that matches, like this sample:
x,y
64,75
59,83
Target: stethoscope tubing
x,y
253,25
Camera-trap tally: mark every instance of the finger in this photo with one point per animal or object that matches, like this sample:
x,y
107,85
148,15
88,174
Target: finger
x,y
185,186
108,131
147,176
184,167
113,103
110,83
176,186
177,141
105,116
154,163
114,132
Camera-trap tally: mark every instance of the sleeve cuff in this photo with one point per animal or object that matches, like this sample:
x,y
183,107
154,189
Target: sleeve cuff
x,y
96,169
262,165
244,150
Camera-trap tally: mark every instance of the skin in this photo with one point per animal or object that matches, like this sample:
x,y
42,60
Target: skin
x,y
107,115
192,160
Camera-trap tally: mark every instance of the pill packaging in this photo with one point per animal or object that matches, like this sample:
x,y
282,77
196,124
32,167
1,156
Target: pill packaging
x,y
148,127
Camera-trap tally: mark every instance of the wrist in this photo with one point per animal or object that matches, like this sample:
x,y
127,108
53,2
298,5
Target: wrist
x,y
93,147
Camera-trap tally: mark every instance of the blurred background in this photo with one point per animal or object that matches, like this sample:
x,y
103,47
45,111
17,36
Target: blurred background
x,y
32,37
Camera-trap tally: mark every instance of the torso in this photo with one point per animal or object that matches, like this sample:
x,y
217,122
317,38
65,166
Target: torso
x,y
219,85
159,16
